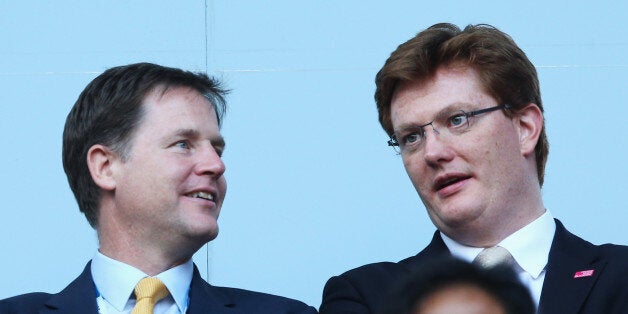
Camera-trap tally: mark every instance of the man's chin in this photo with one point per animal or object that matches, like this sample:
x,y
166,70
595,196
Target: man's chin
x,y
209,235
213,235
458,219
202,234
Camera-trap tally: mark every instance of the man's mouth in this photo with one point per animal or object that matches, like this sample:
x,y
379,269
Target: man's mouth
x,y
203,195
449,180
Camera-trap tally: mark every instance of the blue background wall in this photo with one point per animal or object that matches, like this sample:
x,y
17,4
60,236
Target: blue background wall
x,y
313,188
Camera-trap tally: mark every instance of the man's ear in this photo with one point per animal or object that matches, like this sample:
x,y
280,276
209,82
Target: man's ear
x,y
101,163
529,123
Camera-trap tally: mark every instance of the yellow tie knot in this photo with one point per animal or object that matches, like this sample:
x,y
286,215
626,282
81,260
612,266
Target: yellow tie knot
x,y
148,292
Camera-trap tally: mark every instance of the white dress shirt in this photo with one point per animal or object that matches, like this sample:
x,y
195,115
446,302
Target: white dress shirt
x,y
115,282
529,246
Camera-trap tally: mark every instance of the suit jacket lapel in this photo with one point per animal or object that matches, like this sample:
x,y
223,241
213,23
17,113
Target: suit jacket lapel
x,y
78,297
207,299
435,249
563,290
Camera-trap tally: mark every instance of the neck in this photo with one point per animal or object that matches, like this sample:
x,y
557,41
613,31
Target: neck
x,y
490,231
490,237
149,251
146,258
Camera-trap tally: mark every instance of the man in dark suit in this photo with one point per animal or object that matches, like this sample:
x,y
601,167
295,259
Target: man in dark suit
x,y
463,108
142,151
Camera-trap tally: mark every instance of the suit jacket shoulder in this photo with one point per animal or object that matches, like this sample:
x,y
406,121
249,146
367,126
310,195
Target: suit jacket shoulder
x,y
80,297
363,289
584,278
25,303
206,298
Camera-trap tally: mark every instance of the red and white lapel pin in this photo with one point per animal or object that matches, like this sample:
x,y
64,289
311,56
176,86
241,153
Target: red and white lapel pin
x,y
583,273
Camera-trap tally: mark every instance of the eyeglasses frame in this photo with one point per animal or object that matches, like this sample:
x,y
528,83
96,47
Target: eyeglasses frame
x,y
395,144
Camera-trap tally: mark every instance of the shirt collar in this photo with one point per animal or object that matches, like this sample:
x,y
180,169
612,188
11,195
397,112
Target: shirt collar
x,y
529,245
115,281
466,253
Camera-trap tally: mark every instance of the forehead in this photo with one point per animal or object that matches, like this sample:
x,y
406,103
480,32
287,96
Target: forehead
x,y
178,105
456,87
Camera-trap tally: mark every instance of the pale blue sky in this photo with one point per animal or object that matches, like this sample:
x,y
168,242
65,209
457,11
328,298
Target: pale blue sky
x,y
313,188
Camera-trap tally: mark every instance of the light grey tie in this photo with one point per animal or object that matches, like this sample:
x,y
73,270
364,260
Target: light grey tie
x,y
493,256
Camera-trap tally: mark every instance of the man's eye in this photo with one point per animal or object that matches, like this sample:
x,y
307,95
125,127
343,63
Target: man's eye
x,y
458,120
182,144
410,139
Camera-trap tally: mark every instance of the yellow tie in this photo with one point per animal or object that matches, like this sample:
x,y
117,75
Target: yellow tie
x,y
148,292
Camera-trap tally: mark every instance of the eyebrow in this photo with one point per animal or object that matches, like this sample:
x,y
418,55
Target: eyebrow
x,y
216,141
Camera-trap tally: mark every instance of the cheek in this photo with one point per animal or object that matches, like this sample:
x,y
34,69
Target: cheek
x,y
409,164
169,173
414,168
178,167
482,149
222,185
503,148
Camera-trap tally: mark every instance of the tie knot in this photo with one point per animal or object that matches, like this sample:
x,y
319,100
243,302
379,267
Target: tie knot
x,y
148,292
493,256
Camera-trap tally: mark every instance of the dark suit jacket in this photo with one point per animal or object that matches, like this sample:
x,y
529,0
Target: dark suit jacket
x,y
363,290
80,297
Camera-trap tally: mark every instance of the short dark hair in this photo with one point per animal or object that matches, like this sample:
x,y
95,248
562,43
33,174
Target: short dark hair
x,y
109,110
504,70
500,282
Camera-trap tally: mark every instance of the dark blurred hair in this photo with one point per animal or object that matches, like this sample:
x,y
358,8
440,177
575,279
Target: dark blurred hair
x,y
499,282
109,110
503,68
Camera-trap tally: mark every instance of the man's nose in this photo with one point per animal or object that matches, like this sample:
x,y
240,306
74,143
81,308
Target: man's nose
x,y
437,147
209,162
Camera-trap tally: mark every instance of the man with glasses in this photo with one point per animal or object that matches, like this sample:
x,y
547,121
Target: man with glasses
x,y
464,111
